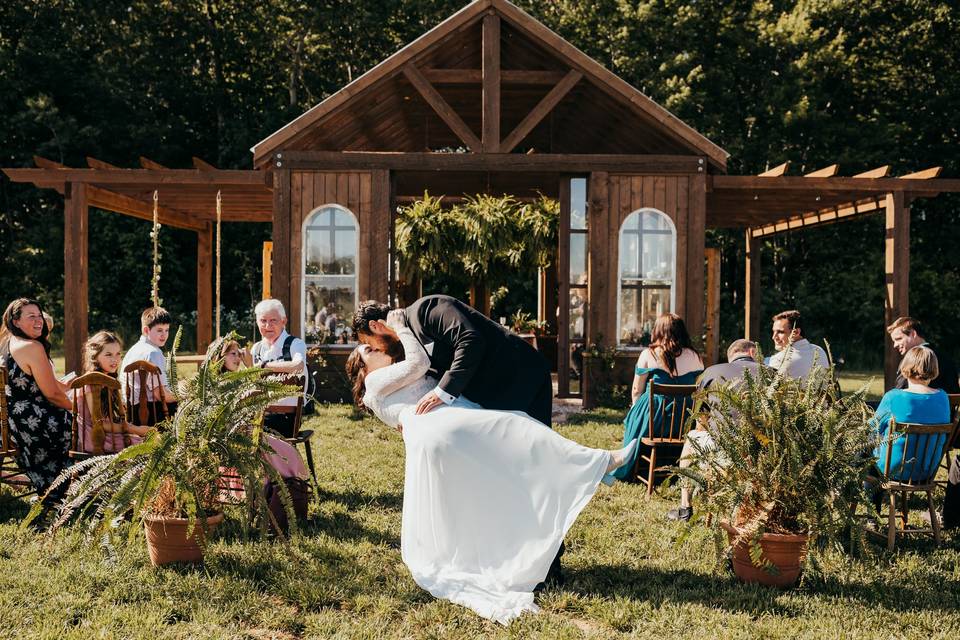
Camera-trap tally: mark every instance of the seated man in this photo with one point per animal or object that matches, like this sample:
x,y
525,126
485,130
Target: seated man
x,y
906,333
155,326
741,358
279,352
795,355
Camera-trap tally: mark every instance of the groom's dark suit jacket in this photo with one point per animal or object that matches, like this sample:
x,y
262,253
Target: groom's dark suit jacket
x,y
475,357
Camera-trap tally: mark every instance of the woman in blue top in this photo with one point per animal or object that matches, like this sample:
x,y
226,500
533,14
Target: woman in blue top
x,y
670,359
920,404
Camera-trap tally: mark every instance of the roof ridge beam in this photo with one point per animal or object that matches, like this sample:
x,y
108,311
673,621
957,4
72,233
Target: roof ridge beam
x,y
779,170
879,172
926,174
441,107
539,112
826,172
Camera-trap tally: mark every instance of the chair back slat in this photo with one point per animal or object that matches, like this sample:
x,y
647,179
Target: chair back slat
x,y
144,375
923,450
93,385
673,423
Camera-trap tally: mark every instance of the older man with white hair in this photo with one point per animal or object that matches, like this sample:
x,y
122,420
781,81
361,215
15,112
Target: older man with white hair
x,y
280,352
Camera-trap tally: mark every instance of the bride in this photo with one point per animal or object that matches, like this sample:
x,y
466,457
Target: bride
x,y
488,495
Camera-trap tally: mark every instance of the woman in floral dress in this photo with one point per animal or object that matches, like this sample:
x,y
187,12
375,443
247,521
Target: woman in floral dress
x,y
37,405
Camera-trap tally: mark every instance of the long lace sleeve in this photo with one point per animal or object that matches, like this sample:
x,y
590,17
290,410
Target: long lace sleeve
x,y
412,368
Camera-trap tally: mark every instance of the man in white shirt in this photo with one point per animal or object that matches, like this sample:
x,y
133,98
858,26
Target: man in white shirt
x,y
795,355
279,352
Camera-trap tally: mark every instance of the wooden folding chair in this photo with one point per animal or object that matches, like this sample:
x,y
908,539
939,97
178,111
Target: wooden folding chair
x,y
921,443
953,442
673,428
141,411
99,387
298,437
10,472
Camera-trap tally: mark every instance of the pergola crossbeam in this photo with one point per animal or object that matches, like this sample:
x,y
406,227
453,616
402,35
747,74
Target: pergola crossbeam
x,y
926,174
147,163
202,165
879,172
779,170
826,172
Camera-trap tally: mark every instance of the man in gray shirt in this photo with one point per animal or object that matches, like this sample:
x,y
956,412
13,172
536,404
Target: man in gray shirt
x,y
741,357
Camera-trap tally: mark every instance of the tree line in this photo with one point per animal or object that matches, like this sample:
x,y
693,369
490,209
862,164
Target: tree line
x,y
861,83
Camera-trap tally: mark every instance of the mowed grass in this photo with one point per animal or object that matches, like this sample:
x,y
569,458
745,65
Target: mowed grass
x,y
343,577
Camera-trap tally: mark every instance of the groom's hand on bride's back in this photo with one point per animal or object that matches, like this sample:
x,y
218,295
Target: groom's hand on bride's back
x,y
428,402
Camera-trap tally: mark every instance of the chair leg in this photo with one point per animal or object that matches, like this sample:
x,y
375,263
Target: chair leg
x,y
653,466
892,522
934,522
308,450
904,509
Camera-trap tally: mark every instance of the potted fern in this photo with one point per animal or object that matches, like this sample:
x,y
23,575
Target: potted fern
x,y
172,480
785,471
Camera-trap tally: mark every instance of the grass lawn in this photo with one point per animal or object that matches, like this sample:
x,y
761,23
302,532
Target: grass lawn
x,y
343,577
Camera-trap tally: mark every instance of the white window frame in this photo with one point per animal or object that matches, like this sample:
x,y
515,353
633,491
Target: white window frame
x,y
303,259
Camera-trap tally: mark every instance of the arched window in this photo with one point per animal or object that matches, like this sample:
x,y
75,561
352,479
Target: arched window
x,y
329,274
648,243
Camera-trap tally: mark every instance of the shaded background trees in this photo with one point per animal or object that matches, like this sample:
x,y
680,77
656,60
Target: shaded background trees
x,y
811,81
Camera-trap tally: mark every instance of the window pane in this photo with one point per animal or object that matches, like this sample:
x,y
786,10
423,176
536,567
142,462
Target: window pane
x,y
629,255
345,243
319,251
578,258
578,307
578,203
343,219
329,303
639,309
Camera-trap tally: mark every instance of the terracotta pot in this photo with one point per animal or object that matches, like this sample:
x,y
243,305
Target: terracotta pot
x,y
786,552
167,539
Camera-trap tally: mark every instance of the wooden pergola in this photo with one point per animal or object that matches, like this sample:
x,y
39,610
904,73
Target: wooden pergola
x,y
774,202
187,200
491,101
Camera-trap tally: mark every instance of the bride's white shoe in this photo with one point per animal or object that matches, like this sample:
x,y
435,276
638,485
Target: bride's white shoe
x,y
618,458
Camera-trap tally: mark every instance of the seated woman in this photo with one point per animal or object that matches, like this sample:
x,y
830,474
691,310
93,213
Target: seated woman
x,y
285,458
670,359
39,410
919,404
101,353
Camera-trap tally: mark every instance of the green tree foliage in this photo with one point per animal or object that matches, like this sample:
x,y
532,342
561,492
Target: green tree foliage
x,y
861,83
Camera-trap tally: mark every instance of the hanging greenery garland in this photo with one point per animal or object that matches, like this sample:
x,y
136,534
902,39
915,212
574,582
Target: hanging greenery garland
x,y
218,263
155,236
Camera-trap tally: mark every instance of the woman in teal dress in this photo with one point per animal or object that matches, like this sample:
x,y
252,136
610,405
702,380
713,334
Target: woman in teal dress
x,y
670,359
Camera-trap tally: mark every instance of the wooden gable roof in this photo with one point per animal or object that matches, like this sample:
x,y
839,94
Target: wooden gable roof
x,y
433,95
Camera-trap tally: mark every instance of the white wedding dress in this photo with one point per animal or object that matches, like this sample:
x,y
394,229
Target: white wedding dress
x,y
488,495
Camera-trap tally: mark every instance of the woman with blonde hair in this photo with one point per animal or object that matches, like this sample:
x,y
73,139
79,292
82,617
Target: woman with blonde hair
x,y
919,403
670,359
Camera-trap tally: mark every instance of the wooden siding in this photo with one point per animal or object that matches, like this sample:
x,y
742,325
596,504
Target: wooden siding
x,y
366,194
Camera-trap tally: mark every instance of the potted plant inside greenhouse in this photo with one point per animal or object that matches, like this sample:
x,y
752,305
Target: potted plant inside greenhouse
x,y
784,472
172,481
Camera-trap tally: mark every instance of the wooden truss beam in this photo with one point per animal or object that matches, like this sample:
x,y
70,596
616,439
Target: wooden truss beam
x,y
491,84
442,107
540,111
507,76
512,162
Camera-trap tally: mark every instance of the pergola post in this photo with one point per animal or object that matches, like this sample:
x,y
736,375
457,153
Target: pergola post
x,y
204,288
713,306
751,292
897,276
75,269
696,247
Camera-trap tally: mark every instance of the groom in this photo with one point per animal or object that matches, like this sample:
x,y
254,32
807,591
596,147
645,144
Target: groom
x,y
472,356
469,353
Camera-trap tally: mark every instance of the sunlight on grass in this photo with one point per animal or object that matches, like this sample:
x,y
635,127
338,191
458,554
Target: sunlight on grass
x,y
343,577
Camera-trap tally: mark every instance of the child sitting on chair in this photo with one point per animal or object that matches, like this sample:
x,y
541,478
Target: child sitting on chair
x,y
155,327
101,353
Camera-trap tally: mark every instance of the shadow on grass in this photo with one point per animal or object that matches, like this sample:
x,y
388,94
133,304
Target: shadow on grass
x,y
725,591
